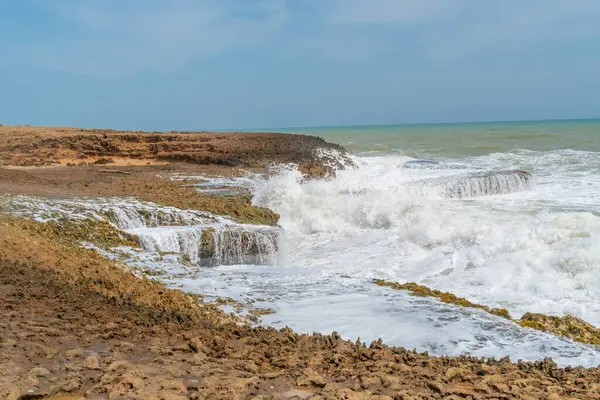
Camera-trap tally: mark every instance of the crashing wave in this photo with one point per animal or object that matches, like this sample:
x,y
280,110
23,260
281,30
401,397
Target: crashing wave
x,y
333,159
482,184
419,163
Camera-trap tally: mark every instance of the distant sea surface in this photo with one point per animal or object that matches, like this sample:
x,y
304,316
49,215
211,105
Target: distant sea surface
x,y
466,139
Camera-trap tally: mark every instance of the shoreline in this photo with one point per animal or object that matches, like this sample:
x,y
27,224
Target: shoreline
x,y
77,324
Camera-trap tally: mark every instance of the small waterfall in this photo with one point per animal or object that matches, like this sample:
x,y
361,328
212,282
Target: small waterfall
x,y
198,237
185,241
236,246
212,245
484,183
125,218
123,213
137,216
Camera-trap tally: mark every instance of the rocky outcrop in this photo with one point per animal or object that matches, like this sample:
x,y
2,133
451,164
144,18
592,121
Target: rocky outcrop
x,y
198,238
567,326
76,325
37,146
445,297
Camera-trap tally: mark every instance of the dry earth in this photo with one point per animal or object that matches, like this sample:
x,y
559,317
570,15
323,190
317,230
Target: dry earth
x,y
43,146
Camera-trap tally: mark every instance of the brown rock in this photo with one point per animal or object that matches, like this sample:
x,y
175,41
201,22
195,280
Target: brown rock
x,y
312,379
197,345
126,346
39,372
118,365
367,382
70,354
72,383
500,387
454,372
436,387
92,362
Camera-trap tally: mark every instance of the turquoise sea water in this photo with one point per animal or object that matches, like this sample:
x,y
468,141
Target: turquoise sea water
x,y
467,139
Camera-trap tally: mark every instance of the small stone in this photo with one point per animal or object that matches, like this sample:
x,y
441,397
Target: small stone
x,y
111,325
435,386
183,348
70,354
174,384
454,372
92,362
197,345
500,387
367,382
126,346
118,365
71,385
39,372
481,388
312,378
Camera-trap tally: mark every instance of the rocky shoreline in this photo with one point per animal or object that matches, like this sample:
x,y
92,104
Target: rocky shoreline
x,y
76,324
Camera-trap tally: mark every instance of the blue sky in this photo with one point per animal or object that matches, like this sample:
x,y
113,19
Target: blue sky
x,y
219,64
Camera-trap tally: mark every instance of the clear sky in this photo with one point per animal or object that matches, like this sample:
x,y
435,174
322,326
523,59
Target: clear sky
x,y
220,64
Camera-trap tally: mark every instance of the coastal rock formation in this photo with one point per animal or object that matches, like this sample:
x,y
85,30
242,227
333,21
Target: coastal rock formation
x,y
77,325
208,246
567,326
199,238
79,322
445,297
38,146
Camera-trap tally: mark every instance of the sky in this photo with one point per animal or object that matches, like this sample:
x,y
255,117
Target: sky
x,y
244,64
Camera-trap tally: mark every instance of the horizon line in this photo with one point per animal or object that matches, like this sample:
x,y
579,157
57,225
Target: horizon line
x,y
407,124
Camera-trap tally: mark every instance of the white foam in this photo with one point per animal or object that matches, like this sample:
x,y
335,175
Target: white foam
x,y
528,248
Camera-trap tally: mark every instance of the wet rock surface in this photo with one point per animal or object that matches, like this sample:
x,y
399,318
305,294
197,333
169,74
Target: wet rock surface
x,y
567,326
75,325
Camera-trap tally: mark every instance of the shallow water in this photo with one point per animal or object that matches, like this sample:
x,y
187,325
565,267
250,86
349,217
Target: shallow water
x,y
528,248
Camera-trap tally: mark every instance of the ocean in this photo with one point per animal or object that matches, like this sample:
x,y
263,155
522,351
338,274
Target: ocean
x,y
528,246
462,139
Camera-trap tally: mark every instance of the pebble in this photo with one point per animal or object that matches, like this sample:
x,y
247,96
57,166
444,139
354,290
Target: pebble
x,y
92,362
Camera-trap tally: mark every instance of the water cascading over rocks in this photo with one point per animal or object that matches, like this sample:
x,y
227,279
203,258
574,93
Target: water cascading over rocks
x,y
198,237
213,245
482,184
